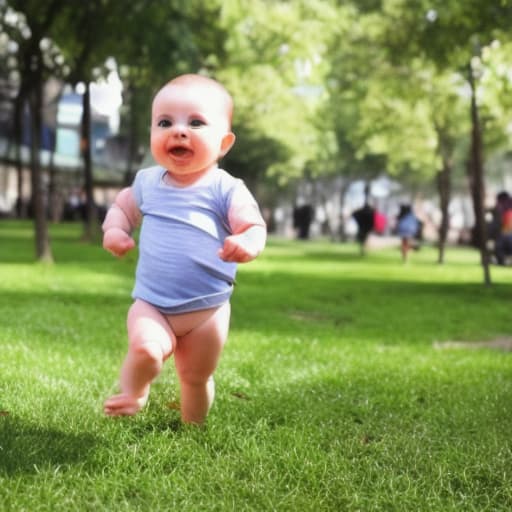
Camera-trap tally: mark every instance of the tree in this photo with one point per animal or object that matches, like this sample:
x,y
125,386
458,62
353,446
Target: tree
x,y
380,122
275,69
400,69
31,21
424,126
451,35
87,34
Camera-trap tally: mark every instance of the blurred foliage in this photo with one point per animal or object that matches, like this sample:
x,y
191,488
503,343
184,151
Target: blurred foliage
x,y
321,87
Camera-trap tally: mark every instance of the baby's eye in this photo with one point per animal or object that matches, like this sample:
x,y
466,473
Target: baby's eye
x,y
196,123
164,123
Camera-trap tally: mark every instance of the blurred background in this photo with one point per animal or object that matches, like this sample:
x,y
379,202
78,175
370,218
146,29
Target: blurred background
x,y
338,105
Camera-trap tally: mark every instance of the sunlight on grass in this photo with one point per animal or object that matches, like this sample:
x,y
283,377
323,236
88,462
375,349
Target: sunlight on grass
x,y
332,394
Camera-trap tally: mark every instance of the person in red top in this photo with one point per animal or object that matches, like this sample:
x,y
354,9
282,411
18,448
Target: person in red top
x,y
503,242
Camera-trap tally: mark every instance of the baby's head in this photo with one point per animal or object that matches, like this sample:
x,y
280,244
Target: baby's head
x,y
208,88
202,92
191,124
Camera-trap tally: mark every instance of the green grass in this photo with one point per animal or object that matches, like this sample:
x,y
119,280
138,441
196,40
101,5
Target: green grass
x,y
331,393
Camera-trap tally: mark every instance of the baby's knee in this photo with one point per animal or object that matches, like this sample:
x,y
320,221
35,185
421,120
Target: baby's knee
x,y
194,377
150,351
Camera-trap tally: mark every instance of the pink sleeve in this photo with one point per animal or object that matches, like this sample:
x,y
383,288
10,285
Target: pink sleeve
x,y
244,211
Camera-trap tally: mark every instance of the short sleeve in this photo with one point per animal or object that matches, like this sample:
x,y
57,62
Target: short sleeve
x,y
137,188
243,210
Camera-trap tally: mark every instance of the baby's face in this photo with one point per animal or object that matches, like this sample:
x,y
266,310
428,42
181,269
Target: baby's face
x,y
190,130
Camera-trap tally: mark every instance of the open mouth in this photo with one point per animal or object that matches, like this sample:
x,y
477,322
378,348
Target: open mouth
x,y
180,151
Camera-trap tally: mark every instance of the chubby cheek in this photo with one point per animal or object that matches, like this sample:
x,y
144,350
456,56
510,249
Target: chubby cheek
x,y
208,149
158,147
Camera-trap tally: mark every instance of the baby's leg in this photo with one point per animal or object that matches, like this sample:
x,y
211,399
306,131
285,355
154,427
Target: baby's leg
x,y
196,356
151,342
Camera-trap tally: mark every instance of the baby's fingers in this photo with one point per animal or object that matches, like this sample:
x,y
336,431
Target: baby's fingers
x,y
234,253
226,254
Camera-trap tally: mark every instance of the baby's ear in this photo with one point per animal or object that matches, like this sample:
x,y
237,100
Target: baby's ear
x,y
227,143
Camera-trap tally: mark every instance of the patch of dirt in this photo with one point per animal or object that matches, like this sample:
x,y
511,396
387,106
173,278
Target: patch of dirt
x,y
504,344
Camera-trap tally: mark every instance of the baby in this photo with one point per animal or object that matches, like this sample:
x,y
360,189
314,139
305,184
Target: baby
x,y
197,222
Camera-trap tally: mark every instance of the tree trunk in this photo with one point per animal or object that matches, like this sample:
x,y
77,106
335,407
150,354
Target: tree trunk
x,y
476,170
342,231
131,149
54,194
43,249
18,139
91,215
444,189
55,202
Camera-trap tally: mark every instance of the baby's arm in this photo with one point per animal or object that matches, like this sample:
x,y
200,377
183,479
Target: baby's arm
x,y
248,228
121,219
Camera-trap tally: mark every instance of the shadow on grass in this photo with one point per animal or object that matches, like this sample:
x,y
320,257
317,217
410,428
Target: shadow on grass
x,y
287,300
279,305
28,449
300,305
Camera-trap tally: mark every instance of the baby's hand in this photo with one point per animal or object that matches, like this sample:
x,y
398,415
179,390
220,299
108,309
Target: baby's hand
x,y
243,247
117,242
236,249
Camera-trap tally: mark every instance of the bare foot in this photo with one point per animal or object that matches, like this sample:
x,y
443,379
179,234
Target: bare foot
x,y
124,405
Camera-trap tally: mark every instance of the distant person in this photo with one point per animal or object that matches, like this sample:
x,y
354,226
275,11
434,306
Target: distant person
x,y
73,207
302,219
364,217
198,222
380,222
408,229
503,227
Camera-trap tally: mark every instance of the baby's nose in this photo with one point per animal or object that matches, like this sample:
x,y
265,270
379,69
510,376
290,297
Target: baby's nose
x,y
180,131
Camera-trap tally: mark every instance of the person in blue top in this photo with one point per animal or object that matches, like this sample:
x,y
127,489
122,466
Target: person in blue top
x,y
407,229
196,223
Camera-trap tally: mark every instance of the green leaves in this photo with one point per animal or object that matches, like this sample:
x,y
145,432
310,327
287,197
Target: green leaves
x,y
366,86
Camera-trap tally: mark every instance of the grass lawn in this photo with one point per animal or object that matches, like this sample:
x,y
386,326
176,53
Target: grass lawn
x,y
334,391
